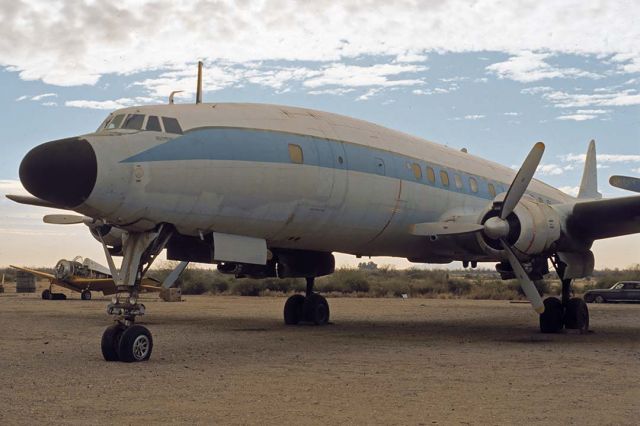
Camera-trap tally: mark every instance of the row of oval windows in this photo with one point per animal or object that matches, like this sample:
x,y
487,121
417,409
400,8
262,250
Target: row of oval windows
x,y
296,156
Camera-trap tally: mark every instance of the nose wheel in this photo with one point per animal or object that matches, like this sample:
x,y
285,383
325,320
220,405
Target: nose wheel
x,y
127,344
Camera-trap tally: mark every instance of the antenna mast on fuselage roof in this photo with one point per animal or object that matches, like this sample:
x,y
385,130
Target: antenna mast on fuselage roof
x,y
199,87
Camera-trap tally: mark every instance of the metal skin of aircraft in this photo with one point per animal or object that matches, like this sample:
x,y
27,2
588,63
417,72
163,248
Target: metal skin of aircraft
x,y
268,190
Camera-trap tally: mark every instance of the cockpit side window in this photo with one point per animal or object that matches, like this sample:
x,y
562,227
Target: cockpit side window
x,y
115,123
153,124
171,125
133,122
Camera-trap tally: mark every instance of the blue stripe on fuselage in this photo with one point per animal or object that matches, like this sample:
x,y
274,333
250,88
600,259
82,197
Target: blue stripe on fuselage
x,y
238,144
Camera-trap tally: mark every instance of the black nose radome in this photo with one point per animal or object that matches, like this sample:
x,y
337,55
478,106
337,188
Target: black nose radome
x,y
62,172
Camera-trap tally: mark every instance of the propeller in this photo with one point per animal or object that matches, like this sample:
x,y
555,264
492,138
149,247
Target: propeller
x,y
625,182
65,219
497,227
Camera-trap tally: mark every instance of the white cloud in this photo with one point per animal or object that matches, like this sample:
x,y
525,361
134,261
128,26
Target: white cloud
x,y
86,40
44,95
636,170
576,117
436,90
368,94
550,169
512,114
602,158
411,57
49,104
535,90
474,117
355,76
336,91
21,98
108,105
527,67
562,99
571,190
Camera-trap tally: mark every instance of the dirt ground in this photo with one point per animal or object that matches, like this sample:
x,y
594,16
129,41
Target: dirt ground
x,y
230,360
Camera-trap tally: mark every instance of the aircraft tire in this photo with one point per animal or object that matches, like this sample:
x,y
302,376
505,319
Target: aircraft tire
x,y
85,295
46,294
135,344
111,341
551,320
316,309
576,315
58,296
293,309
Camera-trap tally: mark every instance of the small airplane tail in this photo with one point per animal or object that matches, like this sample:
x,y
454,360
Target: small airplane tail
x,y
589,183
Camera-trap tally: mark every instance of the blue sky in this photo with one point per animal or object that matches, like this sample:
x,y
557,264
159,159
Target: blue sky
x,y
491,77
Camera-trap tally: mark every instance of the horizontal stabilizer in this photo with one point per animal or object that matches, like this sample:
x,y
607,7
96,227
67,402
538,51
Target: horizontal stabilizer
x,y
625,182
445,228
598,219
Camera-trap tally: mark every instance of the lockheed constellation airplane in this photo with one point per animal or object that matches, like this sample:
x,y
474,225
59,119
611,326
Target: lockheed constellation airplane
x,y
272,191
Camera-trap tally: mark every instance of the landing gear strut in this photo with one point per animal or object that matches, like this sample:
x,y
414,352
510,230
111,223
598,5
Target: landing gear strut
x,y
312,307
126,341
570,312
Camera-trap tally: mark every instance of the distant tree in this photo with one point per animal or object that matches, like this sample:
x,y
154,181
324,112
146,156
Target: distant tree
x,y
368,266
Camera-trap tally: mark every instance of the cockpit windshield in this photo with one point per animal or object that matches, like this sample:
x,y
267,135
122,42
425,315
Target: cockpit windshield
x,y
150,123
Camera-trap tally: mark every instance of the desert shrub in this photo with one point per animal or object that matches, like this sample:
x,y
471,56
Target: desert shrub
x,y
458,287
495,290
247,287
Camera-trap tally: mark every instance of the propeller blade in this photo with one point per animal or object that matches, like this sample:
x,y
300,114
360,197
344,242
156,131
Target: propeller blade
x,y
625,182
445,228
522,179
527,285
63,219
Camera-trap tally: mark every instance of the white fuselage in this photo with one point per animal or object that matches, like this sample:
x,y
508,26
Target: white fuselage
x,y
357,187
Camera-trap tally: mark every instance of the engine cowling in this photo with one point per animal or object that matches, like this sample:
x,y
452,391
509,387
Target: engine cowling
x,y
111,235
533,228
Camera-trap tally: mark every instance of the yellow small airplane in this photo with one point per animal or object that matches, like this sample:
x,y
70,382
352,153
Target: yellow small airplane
x,y
82,276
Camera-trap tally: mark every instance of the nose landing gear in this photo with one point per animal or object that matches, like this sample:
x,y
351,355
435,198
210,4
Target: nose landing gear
x,y
126,341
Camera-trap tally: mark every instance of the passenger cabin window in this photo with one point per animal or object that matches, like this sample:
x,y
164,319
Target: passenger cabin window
x,y
417,171
171,125
133,122
115,122
444,178
153,124
492,190
458,180
295,154
431,175
473,184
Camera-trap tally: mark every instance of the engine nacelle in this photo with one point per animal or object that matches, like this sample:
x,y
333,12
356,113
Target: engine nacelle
x,y
111,236
534,227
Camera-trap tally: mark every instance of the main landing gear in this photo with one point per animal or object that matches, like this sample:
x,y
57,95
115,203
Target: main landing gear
x,y
124,340
311,307
570,312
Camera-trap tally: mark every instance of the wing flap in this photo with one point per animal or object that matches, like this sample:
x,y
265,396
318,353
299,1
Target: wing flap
x,y
598,219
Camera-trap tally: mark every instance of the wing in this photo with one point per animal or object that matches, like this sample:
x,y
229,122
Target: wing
x,y
598,219
35,272
150,284
105,285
